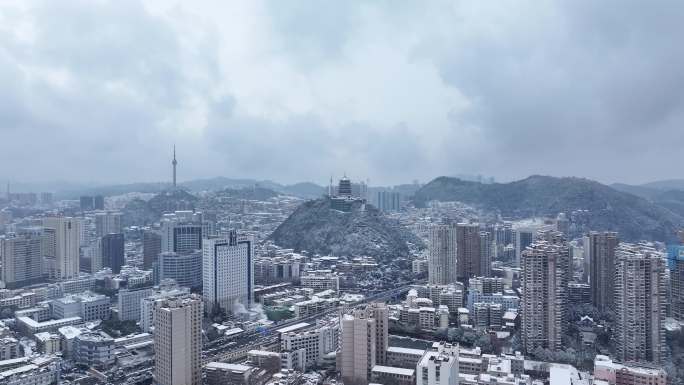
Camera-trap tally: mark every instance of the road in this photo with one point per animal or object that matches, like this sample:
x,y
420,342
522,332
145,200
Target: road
x,y
237,349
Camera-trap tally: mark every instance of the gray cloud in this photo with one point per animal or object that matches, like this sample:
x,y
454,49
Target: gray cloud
x,y
291,91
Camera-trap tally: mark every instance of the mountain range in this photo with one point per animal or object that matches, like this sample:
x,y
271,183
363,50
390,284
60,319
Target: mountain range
x,y
633,216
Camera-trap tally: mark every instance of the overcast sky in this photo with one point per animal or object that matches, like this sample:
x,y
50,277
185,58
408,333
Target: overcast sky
x,y
298,90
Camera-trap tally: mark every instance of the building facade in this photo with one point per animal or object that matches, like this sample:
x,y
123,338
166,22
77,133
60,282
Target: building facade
x,y
438,366
63,246
640,303
442,255
22,257
544,285
178,341
113,251
468,251
151,248
184,268
601,256
364,342
227,272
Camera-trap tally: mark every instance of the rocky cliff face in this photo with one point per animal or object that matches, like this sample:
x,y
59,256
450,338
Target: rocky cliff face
x,y
365,230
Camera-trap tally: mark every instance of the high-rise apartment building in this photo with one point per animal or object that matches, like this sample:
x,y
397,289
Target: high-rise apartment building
x,y
468,251
487,246
63,242
545,265
442,255
227,272
21,255
601,247
676,266
438,366
107,223
640,303
113,252
364,342
178,341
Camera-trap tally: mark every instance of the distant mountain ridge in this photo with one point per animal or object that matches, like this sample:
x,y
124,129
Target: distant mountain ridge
x,y
666,184
305,190
634,217
661,193
316,227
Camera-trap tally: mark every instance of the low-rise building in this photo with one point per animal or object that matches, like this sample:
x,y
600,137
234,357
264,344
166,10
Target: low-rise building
x,y
316,342
313,306
20,299
94,350
220,373
9,348
264,359
438,366
613,373
403,357
38,371
48,343
31,327
321,280
89,306
393,375
128,303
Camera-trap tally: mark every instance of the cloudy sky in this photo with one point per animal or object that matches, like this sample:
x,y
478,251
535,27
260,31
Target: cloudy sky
x,y
298,90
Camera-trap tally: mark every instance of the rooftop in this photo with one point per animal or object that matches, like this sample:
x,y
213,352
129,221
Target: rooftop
x,y
396,349
231,367
393,370
294,327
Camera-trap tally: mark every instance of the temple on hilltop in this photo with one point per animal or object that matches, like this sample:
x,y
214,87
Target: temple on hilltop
x,y
345,194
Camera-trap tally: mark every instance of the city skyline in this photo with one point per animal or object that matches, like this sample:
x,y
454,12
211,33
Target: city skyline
x,y
275,192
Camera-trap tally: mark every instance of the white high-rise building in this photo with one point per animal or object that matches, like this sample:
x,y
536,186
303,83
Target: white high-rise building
x,y
364,342
178,341
640,303
227,272
438,366
21,256
442,268
65,243
149,304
